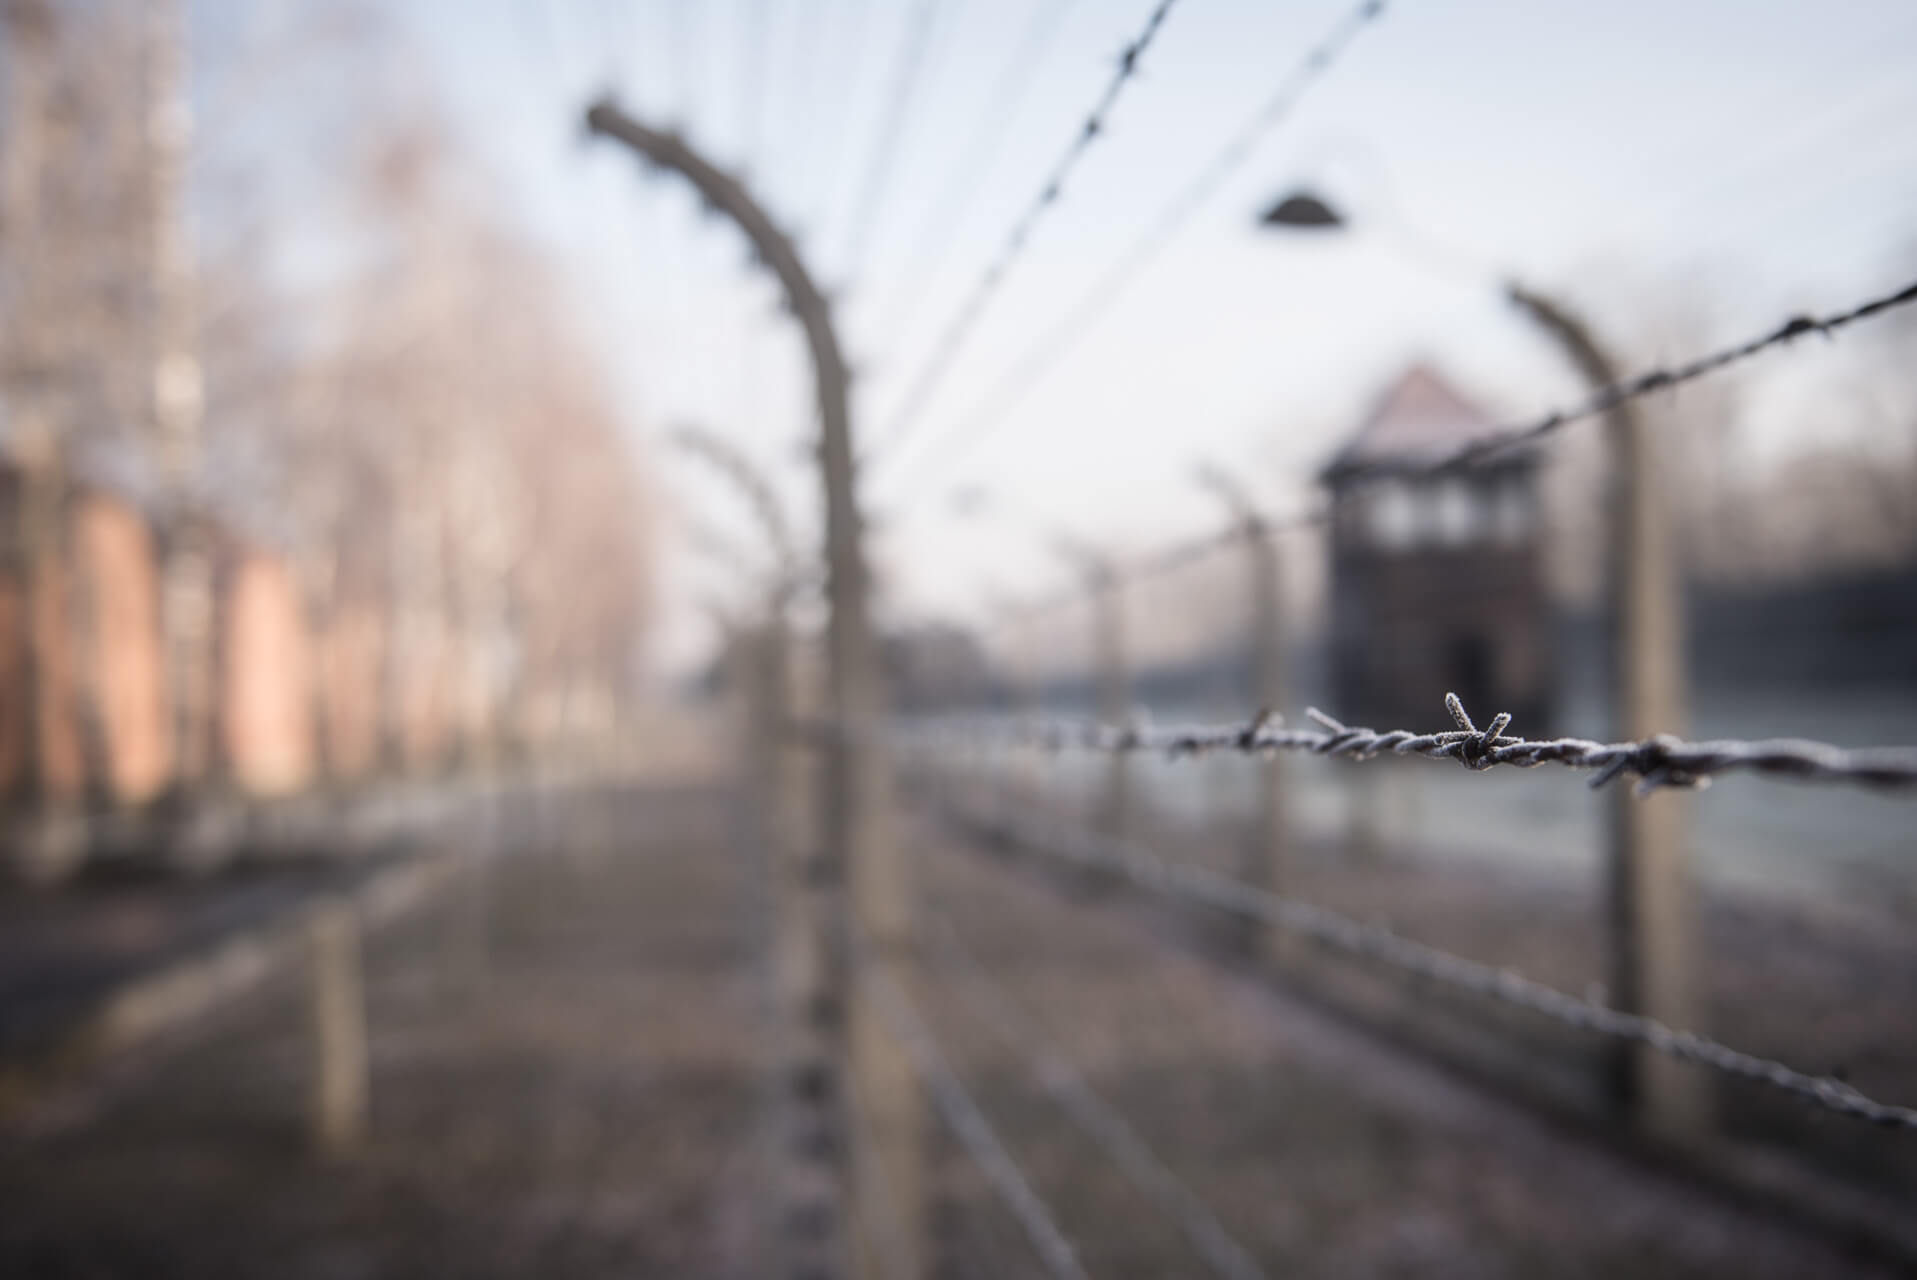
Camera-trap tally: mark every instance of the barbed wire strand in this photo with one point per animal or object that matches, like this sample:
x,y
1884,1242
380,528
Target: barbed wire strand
x,y
892,126
996,1007
967,176
1170,560
971,1128
1379,945
1605,399
1064,337
952,338
1656,762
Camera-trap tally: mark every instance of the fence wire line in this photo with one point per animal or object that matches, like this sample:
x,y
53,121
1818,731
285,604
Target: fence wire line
x,y
1157,236
967,177
970,1127
1605,399
945,350
1372,942
1660,761
996,1007
892,127
1173,558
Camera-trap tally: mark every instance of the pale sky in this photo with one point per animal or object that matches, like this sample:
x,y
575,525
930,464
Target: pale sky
x,y
1703,168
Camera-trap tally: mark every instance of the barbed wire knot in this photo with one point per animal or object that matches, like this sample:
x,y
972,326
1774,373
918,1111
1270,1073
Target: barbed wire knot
x,y
1475,749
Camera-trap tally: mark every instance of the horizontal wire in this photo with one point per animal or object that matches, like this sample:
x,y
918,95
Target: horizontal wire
x,y
1371,942
970,1127
945,350
1660,761
1171,559
996,1007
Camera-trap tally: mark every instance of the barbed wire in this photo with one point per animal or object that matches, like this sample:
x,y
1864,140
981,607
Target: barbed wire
x,y
892,126
971,432
947,346
1605,399
1379,945
1172,559
1660,761
970,1127
979,159
996,1007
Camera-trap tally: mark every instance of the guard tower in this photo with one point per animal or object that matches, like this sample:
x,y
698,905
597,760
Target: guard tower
x,y
1437,581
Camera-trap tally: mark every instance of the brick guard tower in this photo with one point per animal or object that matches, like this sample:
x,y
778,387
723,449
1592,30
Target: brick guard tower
x,y
1436,581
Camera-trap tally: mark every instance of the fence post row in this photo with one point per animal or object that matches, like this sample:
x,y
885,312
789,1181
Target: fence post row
x,y
862,882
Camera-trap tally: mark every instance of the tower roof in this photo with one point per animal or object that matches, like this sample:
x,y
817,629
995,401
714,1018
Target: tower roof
x,y
1420,415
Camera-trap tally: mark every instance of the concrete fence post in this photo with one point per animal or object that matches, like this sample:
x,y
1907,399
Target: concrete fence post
x,y
1266,856
1648,894
858,868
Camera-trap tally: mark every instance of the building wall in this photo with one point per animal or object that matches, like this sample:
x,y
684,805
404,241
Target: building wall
x,y
351,658
119,568
267,707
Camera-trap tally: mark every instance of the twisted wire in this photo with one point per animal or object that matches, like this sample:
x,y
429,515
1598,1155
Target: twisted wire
x,y
945,350
1065,336
1381,946
970,1127
996,1007
1605,399
1660,761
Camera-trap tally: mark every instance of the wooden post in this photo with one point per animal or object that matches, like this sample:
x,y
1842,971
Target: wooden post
x,y
1648,891
858,864
339,1032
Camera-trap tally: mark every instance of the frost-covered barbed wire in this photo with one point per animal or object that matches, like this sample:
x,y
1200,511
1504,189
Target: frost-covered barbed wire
x,y
1660,761
1381,946
997,1008
969,1125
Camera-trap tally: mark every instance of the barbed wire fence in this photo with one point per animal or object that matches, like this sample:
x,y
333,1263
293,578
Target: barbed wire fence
x,y
935,746
882,976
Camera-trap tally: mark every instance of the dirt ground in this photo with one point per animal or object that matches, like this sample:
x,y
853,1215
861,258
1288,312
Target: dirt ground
x,y
579,1090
